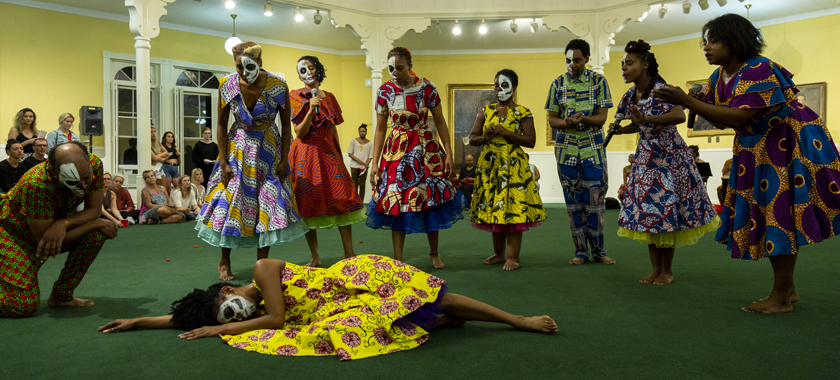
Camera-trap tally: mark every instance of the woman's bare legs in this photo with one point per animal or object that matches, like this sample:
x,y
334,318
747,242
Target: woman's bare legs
x,y
498,249
514,244
398,238
347,240
262,253
224,266
312,241
781,298
666,258
468,309
434,237
655,262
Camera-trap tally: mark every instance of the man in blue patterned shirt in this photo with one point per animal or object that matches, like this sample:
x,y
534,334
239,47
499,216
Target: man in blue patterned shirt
x,y
577,109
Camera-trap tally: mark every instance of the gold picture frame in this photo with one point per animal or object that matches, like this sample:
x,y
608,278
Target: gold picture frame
x,y
465,101
701,127
813,96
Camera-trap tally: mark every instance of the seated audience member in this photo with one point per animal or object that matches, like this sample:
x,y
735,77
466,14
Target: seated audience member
x,y
130,154
183,197
125,205
695,151
467,177
11,169
109,202
39,155
625,174
724,181
159,209
196,180
534,171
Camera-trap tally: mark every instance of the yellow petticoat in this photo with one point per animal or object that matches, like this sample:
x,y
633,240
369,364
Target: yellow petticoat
x,y
674,239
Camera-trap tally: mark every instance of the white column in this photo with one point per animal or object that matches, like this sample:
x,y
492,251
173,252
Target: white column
x,y
376,82
144,24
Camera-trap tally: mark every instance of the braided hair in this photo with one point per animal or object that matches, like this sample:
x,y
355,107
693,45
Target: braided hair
x,y
197,308
403,53
320,70
641,49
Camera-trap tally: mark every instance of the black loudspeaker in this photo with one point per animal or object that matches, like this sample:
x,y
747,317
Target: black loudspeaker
x,y
90,121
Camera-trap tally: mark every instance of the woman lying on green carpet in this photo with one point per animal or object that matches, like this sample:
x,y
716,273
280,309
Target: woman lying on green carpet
x,y
360,307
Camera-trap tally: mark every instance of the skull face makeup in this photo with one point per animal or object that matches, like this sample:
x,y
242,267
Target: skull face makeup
x,y
235,308
69,176
570,57
505,88
304,74
251,68
392,67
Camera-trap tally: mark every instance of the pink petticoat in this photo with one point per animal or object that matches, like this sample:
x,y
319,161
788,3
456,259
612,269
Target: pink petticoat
x,y
506,228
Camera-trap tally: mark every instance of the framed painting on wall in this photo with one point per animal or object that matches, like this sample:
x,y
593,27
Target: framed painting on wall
x,y
813,95
697,125
466,100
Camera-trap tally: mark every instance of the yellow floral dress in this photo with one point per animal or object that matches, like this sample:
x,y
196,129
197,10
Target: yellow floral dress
x,y
505,198
360,307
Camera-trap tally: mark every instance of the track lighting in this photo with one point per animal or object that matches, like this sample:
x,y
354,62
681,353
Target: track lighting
x,y
457,29
514,26
298,15
662,11
704,4
482,28
534,26
269,9
318,17
721,2
686,7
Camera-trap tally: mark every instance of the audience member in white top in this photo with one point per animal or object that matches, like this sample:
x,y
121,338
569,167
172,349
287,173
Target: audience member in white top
x,y
183,197
534,171
361,153
197,179
109,203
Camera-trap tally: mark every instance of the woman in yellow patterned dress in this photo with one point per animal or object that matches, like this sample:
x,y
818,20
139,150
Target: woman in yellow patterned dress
x,y
505,200
360,307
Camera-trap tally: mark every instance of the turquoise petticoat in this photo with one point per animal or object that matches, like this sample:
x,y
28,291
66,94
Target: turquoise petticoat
x,y
259,240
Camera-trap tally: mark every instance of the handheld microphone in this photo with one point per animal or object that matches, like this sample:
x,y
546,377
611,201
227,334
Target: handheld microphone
x,y
615,125
695,88
315,95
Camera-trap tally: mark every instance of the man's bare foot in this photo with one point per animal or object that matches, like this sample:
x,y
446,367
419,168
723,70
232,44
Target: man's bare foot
x,y
543,324
447,321
224,272
75,302
768,306
315,262
495,259
649,279
436,261
511,264
664,278
605,260
577,261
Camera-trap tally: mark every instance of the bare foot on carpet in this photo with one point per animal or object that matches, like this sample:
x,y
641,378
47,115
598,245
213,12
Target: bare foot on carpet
x,y
664,278
794,297
605,260
151,221
315,262
649,279
577,261
75,302
767,306
224,272
511,264
436,261
495,259
543,324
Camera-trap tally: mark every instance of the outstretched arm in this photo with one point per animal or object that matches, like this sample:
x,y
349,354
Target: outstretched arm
x,y
162,322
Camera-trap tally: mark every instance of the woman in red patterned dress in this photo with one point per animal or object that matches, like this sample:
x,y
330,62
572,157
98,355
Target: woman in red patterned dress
x,y
325,194
410,170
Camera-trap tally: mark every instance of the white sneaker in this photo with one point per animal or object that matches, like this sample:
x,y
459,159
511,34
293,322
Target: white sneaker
x,y
130,220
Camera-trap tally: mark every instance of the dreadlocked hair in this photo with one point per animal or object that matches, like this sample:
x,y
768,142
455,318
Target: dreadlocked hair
x,y
641,49
320,71
196,309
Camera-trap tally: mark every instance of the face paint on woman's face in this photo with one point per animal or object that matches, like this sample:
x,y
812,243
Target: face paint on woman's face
x,y
251,69
505,88
304,74
235,308
392,66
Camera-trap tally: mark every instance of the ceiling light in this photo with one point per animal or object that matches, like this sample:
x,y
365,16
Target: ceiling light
x,y
437,27
644,16
233,40
298,15
229,4
514,26
482,28
318,17
457,29
534,26
686,7
269,9
704,4
662,11
721,2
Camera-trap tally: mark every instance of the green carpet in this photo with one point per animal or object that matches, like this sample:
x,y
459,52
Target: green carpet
x,y
610,325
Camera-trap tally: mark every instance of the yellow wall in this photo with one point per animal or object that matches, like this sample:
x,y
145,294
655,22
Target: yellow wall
x,y
57,67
